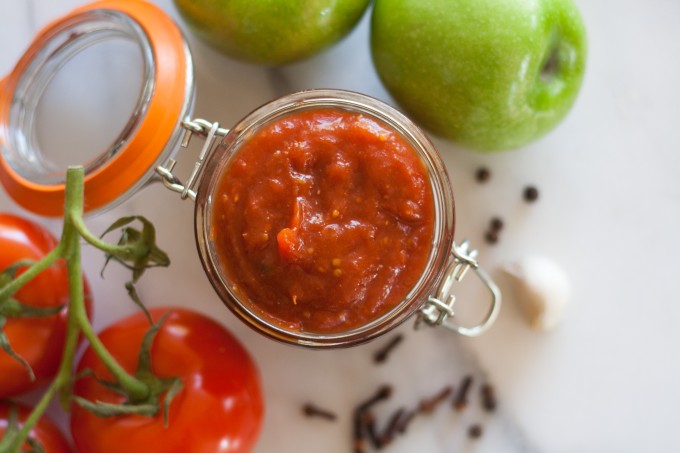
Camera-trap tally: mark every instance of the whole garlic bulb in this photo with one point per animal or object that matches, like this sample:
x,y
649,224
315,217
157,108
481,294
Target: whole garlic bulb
x,y
542,289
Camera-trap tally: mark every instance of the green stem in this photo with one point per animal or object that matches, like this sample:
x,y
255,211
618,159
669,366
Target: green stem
x,y
38,411
69,249
136,389
17,283
75,279
73,220
99,243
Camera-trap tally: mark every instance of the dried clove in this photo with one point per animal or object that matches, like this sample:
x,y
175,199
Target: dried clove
x,y
489,401
358,438
461,400
367,435
404,421
368,421
311,410
362,416
391,428
382,354
383,393
427,406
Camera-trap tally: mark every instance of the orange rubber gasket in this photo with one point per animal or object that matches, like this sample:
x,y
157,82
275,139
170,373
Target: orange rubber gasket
x,y
133,161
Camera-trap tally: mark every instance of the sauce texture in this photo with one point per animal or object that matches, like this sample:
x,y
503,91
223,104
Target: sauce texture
x,y
323,220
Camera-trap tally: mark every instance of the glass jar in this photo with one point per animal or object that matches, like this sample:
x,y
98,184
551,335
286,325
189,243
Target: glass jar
x,y
160,124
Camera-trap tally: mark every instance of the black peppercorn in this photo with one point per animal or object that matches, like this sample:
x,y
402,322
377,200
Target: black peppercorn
x,y
483,174
475,431
530,193
491,237
496,224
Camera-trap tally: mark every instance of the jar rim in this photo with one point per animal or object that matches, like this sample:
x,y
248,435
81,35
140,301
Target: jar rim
x,y
150,135
443,223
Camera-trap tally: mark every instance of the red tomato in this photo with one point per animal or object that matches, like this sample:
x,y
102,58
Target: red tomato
x,y
219,409
45,432
40,340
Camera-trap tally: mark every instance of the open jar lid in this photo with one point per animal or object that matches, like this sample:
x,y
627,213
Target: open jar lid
x,y
30,172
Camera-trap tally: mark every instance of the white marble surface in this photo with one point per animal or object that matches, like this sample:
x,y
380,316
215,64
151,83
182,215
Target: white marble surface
x,y
605,381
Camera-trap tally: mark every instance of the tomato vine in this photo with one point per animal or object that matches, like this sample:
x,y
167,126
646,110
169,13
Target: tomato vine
x,y
136,250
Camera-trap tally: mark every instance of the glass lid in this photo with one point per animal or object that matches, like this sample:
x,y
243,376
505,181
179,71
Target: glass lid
x,y
104,87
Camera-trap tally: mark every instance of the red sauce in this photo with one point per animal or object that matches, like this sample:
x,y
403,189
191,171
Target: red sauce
x,y
324,220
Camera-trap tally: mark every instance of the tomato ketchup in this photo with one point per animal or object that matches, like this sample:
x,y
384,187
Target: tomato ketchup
x,y
325,220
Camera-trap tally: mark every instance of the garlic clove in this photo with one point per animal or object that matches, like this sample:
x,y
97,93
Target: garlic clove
x,y
542,289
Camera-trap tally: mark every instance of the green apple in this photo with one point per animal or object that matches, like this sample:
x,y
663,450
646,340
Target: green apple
x,y
271,32
487,74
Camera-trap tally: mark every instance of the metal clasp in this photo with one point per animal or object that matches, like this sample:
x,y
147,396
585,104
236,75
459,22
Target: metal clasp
x,y
438,310
203,128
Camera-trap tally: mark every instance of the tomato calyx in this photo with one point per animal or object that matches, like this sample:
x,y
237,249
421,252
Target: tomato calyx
x,y
161,391
13,429
137,251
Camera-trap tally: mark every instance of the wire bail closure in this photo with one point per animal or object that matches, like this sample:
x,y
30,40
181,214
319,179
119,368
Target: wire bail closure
x,y
210,131
439,309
